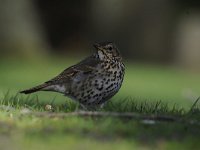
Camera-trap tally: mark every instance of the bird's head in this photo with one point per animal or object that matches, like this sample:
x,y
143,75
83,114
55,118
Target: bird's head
x,y
107,50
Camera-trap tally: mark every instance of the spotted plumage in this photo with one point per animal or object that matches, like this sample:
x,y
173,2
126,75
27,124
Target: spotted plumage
x,y
92,81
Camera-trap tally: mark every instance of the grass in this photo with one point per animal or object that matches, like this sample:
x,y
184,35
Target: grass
x,y
142,82
147,91
20,125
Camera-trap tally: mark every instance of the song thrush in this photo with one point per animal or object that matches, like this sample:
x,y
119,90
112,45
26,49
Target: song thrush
x,y
92,81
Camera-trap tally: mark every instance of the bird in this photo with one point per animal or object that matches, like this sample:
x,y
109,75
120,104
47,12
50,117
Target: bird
x,y
92,81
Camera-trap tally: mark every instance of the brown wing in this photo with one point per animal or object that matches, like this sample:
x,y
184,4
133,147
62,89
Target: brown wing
x,y
87,65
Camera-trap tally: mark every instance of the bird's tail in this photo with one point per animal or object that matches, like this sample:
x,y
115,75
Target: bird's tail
x,y
34,89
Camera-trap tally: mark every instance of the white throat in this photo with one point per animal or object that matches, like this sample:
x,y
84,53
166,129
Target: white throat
x,y
101,55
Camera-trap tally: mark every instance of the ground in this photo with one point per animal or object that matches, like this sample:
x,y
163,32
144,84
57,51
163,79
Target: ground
x,y
162,105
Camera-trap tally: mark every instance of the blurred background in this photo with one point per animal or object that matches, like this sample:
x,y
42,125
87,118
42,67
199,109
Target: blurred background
x,y
159,41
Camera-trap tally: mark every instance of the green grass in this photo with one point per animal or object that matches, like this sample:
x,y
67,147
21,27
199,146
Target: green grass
x,y
142,82
21,125
147,90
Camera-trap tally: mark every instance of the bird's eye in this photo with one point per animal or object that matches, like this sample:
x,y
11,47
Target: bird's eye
x,y
110,48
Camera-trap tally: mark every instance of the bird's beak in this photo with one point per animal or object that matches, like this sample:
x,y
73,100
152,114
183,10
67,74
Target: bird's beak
x,y
96,45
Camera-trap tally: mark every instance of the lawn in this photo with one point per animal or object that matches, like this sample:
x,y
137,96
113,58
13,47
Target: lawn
x,y
160,100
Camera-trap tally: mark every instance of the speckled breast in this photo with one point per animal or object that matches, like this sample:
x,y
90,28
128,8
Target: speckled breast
x,y
98,86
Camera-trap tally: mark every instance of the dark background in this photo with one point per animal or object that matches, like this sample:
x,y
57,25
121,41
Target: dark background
x,y
164,32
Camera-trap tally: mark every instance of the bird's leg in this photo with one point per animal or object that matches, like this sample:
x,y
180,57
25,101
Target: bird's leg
x,y
81,107
102,105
